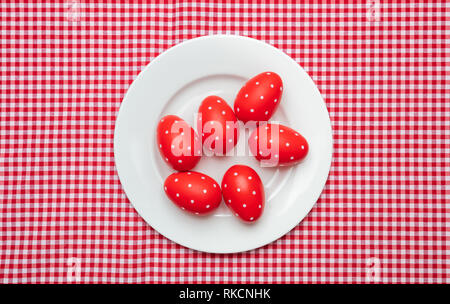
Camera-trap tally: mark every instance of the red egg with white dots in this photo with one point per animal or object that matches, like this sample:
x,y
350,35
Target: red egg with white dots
x,y
277,145
194,192
243,193
218,125
259,98
178,143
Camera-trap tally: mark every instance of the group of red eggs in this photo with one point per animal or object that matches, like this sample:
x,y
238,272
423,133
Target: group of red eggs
x,y
242,189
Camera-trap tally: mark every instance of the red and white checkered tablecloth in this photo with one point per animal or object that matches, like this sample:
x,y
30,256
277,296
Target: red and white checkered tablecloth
x,y
383,68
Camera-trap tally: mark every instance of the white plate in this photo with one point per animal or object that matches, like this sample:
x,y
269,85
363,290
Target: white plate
x,y
175,83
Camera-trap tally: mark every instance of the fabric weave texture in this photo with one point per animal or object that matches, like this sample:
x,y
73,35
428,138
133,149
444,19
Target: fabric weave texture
x,y
382,67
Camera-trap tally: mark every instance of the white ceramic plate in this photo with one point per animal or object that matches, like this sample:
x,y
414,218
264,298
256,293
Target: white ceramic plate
x,y
175,83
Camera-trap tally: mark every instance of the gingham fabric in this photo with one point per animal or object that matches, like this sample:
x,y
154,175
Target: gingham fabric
x,y
382,67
